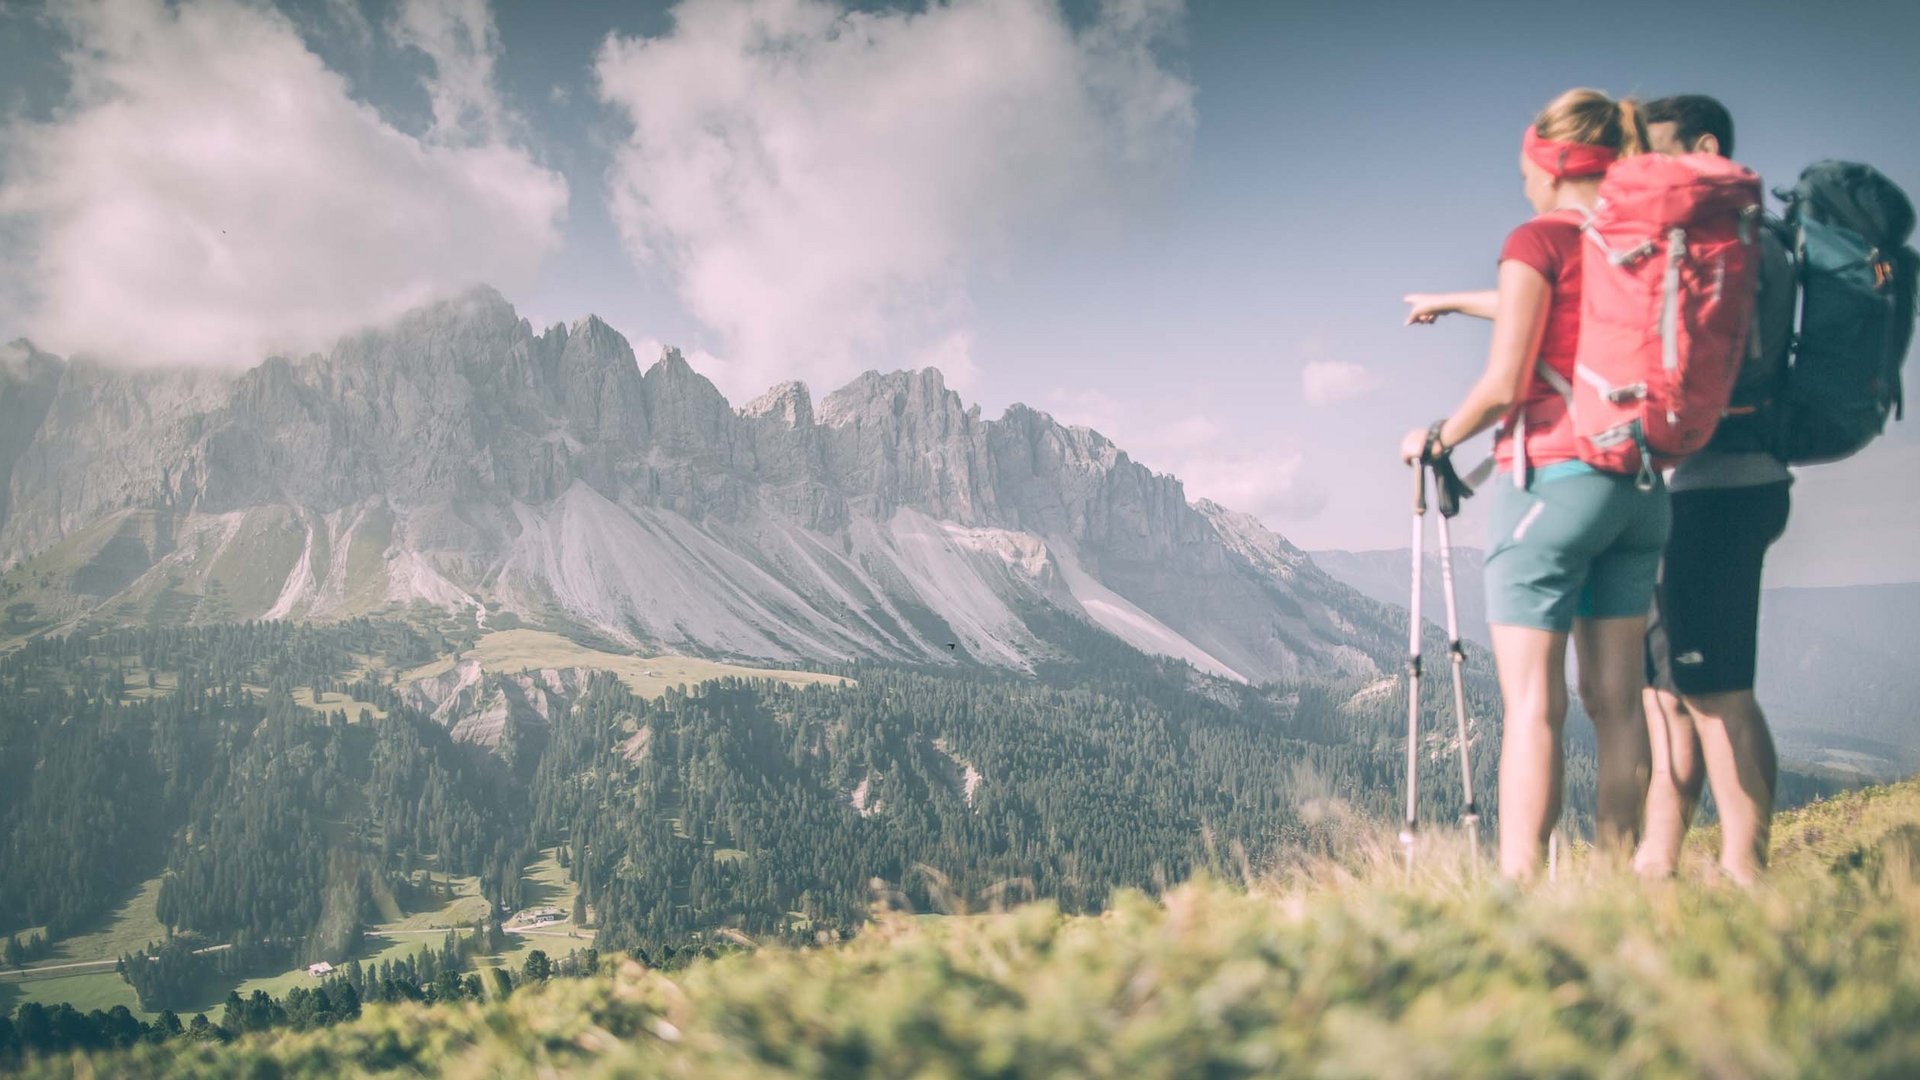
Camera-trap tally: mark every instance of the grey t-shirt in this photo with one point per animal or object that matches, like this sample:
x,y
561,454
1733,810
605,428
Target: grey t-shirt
x,y
1713,469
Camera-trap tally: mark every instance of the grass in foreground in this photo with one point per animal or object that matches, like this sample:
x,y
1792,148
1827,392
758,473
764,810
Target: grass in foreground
x,y
1335,969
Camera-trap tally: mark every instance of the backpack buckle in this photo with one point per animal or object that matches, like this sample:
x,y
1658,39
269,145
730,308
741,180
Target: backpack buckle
x,y
1632,255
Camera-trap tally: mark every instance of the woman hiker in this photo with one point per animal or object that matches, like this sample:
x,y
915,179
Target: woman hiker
x,y
1573,552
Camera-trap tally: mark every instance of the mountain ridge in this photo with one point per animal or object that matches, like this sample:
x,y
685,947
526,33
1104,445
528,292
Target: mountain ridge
x,y
459,459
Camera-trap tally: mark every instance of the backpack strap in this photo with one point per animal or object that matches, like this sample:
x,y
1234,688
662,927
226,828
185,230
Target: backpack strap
x,y
1558,381
1520,467
1591,232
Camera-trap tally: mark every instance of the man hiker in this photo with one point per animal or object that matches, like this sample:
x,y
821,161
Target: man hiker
x,y
1730,504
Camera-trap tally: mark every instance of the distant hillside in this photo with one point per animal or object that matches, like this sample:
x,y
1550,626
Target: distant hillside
x,y
1839,667
1386,575
1840,674
1324,969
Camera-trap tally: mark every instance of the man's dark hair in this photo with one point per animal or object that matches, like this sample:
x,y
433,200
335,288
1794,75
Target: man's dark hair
x,y
1693,115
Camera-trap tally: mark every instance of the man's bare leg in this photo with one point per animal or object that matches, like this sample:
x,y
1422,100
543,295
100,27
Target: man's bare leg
x,y
1743,769
1674,791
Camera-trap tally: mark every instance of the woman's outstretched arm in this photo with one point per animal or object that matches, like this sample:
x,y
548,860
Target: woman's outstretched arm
x,y
1424,308
1519,322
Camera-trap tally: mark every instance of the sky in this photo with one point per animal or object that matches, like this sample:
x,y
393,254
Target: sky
x,y
1185,225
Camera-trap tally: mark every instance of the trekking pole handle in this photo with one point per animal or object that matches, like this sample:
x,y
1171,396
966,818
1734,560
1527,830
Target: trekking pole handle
x,y
1449,488
1420,487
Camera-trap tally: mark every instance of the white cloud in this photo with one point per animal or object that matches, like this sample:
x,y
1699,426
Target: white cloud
x,y
952,355
1325,382
460,38
213,193
818,182
1261,477
1267,484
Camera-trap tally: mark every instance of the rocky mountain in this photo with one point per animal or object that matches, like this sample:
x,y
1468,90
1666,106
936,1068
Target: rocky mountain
x,y
461,460
476,705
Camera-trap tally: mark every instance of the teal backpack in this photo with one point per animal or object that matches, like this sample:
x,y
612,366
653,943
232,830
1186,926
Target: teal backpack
x,y
1848,228
1752,422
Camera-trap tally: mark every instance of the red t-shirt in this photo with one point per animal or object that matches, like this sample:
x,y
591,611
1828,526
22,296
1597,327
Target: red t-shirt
x,y
1549,244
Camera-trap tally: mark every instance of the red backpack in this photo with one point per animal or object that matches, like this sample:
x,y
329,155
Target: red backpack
x,y
1669,270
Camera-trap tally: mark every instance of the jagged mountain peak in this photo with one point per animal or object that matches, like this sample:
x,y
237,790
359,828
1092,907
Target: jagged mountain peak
x,y
454,457
673,369
874,396
688,413
789,403
481,307
1074,442
592,330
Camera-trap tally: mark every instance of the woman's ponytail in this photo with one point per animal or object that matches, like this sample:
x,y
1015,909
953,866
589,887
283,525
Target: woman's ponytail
x,y
1588,116
1633,129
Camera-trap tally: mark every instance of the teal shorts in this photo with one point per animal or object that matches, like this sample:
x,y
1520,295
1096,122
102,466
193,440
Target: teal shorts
x,y
1576,543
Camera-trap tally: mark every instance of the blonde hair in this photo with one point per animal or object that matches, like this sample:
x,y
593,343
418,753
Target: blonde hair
x,y
1589,116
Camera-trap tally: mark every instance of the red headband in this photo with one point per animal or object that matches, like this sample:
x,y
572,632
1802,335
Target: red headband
x,y
1564,159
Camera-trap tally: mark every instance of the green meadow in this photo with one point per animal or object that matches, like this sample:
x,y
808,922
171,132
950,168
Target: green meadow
x,y
1340,966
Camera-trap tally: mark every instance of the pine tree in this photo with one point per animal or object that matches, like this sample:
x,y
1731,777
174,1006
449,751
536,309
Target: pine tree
x,y
537,968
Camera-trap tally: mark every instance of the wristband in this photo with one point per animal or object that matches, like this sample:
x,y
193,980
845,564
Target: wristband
x,y
1434,449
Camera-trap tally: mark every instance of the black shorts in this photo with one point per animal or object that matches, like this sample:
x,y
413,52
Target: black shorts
x,y
1704,632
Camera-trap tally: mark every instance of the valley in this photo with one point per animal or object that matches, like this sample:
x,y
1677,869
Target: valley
x,y
657,803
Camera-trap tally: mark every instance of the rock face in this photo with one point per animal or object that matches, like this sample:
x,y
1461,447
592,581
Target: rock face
x,y
460,459
476,706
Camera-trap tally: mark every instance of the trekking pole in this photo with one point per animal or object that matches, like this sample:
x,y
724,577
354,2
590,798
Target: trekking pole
x,y
1413,667
1449,486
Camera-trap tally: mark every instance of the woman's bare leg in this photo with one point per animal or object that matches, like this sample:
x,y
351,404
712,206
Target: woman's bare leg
x,y
1612,674
1533,685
